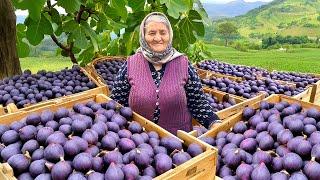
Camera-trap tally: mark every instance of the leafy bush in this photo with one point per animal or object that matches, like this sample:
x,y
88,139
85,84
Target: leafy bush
x,y
275,46
240,46
310,45
270,41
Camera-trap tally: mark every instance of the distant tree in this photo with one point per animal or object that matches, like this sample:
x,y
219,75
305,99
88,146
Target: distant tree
x,y
318,18
227,30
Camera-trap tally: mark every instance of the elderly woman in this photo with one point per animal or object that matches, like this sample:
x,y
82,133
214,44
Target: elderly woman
x,y
159,83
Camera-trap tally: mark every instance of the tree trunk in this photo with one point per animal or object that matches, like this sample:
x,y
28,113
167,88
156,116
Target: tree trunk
x,y
226,42
9,61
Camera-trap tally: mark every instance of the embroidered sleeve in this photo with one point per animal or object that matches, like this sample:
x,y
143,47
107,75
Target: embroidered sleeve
x,y
121,87
197,101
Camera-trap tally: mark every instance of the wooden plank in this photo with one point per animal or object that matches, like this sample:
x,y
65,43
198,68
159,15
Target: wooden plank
x,y
6,172
308,95
220,94
239,107
202,165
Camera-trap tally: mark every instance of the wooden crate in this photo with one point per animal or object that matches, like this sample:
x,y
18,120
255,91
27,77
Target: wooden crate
x,y
312,91
90,68
201,166
317,93
225,113
11,108
308,95
291,84
230,121
205,74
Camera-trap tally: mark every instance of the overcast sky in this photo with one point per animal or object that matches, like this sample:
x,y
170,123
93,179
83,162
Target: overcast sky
x,y
226,1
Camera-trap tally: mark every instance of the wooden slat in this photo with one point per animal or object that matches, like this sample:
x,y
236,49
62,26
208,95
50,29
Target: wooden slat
x,y
6,172
239,107
220,94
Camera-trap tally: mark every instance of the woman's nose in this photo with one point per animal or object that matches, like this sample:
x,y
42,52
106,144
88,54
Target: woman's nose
x,y
157,37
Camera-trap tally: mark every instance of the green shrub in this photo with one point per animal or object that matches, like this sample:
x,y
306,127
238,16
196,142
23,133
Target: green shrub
x,y
310,45
275,46
254,46
240,46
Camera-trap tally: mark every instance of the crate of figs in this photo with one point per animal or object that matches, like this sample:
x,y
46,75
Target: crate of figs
x,y
204,74
277,138
105,69
29,90
310,82
224,105
249,88
95,138
241,71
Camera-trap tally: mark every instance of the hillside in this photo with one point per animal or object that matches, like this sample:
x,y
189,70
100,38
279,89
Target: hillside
x,y
284,17
231,9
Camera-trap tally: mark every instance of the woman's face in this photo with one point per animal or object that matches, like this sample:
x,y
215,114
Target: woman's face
x,y
157,36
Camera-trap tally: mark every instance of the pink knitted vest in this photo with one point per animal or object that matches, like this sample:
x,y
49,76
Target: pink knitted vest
x,y
174,113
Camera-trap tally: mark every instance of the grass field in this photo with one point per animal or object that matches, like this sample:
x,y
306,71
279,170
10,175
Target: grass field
x,y
305,60
300,60
48,63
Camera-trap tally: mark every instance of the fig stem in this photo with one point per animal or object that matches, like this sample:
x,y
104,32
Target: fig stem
x,y
174,152
89,172
27,154
102,153
286,172
48,165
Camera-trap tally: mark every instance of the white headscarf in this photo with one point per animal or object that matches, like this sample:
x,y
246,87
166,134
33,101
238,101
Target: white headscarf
x,y
157,58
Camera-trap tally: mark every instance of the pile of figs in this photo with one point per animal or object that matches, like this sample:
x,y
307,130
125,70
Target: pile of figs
x,y
246,72
89,141
250,88
301,80
108,70
28,88
217,105
278,141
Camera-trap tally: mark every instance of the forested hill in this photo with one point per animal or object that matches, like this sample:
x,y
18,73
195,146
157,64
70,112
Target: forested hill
x,y
284,17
